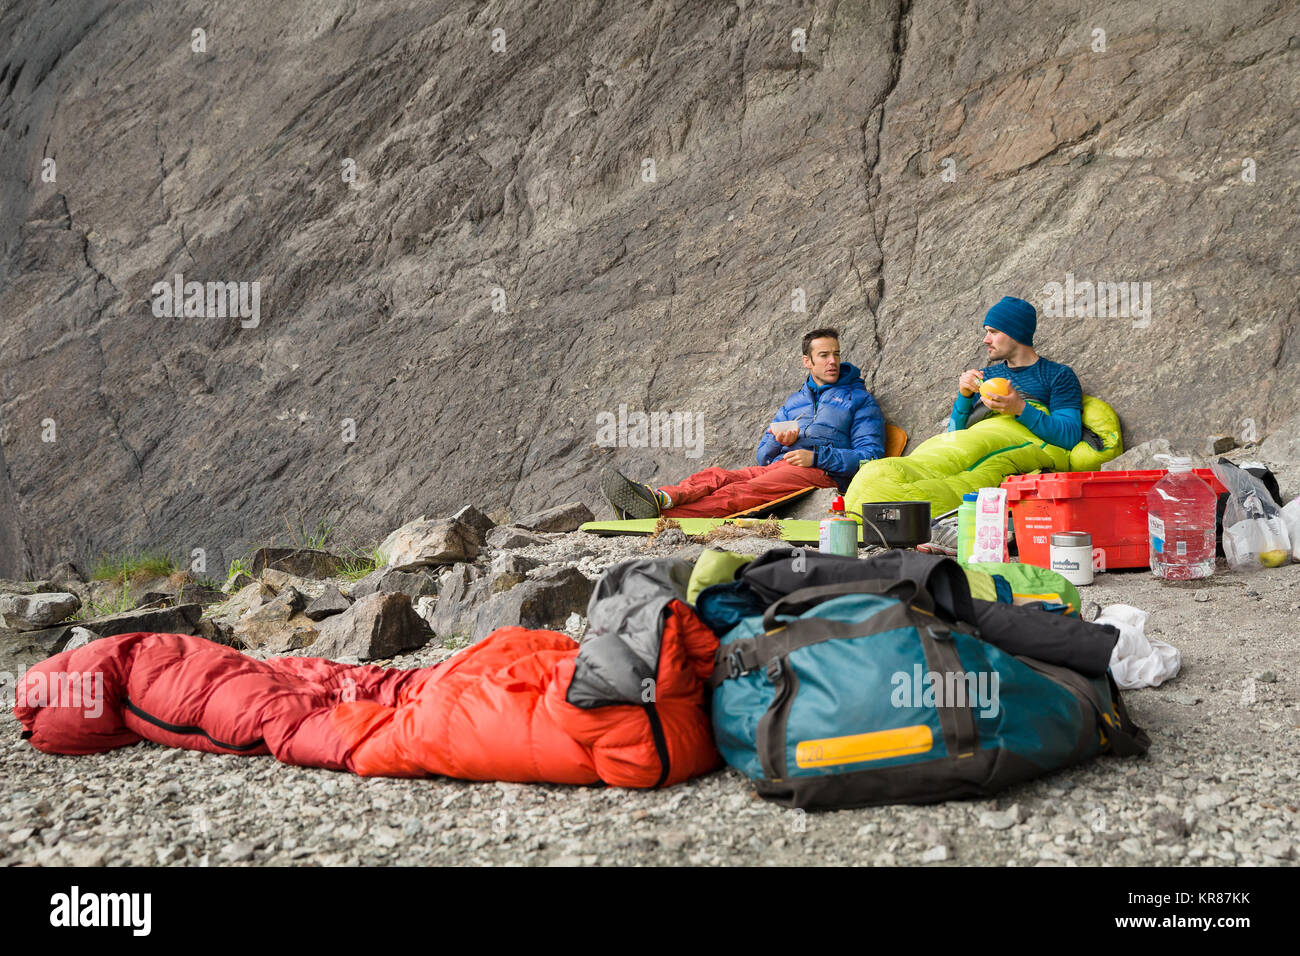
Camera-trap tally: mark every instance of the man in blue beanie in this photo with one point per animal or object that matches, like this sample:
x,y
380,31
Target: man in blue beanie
x,y
1009,336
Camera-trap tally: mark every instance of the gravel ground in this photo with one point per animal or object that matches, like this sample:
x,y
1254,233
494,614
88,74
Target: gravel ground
x,y
1218,787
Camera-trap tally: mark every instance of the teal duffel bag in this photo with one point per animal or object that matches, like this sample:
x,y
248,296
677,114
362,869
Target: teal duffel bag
x,y
871,696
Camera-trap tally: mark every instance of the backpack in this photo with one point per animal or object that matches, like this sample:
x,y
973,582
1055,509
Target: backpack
x,y
868,692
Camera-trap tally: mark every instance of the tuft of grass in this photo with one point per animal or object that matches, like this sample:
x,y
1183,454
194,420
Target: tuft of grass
x,y
94,609
662,525
237,567
358,563
743,528
456,642
125,568
313,540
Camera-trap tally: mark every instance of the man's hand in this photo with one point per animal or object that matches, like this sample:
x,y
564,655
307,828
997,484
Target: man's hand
x,y
1012,404
788,437
802,457
970,381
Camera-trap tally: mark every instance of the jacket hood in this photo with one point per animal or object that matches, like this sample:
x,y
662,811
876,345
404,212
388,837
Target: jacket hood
x,y
850,376
625,619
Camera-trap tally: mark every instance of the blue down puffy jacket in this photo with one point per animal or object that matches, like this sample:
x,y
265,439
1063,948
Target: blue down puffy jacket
x,y
841,423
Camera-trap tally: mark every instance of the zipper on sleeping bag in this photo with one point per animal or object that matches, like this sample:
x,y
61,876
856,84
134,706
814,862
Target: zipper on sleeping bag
x,y
997,452
180,729
661,742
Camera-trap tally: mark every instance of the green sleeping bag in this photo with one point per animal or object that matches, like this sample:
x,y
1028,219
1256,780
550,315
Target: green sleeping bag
x,y
945,467
1026,584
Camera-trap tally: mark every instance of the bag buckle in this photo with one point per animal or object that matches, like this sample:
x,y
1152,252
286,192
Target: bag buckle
x,y
773,670
735,666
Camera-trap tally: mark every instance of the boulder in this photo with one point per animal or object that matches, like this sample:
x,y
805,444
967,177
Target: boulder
x,y
240,580
30,612
330,602
185,594
510,562
504,582
20,650
79,637
565,517
304,562
461,590
413,584
508,569
278,580
426,606
475,519
508,536
181,619
38,645
422,542
277,626
199,594
137,588
378,625
219,632
251,596
545,600
28,587
298,631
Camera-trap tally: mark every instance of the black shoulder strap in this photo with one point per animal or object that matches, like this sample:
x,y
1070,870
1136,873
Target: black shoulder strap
x,y
796,602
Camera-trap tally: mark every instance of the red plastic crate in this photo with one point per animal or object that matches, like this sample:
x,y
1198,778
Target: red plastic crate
x,y
1110,505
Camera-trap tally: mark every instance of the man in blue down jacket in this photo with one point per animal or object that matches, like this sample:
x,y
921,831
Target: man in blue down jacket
x,y
837,426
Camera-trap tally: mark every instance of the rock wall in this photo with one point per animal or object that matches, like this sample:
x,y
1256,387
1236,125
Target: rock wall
x,y
465,256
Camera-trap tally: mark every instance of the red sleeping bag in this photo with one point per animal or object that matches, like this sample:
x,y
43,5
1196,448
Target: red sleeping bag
x,y
496,711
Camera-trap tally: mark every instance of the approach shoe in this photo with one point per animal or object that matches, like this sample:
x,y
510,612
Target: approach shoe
x,y
630,499
943,536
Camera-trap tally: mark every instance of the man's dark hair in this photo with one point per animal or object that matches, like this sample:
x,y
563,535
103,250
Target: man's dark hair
x,y
818,334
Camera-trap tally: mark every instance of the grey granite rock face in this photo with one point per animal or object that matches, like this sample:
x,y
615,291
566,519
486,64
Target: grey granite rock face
x,y
629,207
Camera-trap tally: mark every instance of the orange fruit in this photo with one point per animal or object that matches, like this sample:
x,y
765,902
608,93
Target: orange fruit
x,y
996,386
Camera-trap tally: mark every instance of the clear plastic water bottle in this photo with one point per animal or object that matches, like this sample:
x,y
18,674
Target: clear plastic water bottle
x,y
1180,522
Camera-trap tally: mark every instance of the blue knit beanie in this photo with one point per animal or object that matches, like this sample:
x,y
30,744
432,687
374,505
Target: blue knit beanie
x,y
1016,317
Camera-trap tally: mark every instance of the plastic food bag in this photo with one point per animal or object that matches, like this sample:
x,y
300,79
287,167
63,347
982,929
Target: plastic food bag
x,y
1254,533
1291,518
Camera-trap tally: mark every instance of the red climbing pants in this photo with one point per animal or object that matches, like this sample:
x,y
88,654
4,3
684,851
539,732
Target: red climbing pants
x,y
720,492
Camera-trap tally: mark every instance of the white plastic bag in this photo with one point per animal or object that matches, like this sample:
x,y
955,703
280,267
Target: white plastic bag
x,y
1137,660
1254,535
1291,518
